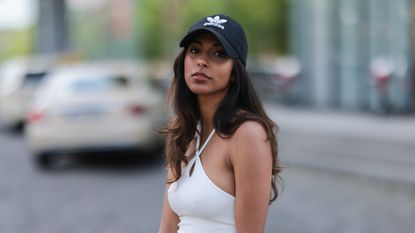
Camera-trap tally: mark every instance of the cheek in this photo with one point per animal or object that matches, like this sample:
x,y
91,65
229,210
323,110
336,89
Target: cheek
x,y
226,72
187,67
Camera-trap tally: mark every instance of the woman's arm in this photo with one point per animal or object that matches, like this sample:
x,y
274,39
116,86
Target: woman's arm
x,y
251,158
169,219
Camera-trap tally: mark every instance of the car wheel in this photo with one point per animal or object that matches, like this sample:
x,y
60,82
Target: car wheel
x,y
156,153
44,161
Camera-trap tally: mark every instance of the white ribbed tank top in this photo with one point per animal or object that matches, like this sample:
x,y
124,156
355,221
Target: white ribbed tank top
x,y
202,206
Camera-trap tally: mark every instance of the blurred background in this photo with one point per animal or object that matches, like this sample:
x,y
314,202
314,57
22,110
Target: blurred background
x,y
83,85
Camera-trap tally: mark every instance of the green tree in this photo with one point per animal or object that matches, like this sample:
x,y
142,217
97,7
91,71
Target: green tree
x,y
265,23
16,43
152,29
164,22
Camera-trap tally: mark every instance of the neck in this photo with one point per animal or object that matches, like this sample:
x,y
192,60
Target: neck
x,y
208,106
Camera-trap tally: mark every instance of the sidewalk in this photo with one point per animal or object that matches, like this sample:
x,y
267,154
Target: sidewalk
x,y
400,129
381,148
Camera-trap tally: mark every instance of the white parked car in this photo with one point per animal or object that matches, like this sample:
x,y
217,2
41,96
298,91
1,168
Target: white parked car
x,y
94,107
19,79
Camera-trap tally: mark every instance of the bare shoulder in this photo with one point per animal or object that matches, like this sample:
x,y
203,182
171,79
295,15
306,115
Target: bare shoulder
x,y
250,150
250,141
250,131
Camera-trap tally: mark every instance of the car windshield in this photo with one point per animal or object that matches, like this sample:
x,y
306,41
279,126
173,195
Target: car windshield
x,y
33,78
98,84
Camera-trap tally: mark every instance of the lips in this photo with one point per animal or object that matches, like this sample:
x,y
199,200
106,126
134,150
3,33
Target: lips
x,y
200,76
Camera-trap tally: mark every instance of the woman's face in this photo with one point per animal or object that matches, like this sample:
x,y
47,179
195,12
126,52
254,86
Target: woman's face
x,y
207,67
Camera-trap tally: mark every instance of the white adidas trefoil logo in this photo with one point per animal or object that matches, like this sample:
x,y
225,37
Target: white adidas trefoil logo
x,y
216,21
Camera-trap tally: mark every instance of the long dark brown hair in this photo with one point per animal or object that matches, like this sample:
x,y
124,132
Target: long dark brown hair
x,y
241,104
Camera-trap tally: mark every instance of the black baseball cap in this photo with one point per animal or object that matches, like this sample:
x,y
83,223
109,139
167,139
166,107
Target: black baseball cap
x,y
229,33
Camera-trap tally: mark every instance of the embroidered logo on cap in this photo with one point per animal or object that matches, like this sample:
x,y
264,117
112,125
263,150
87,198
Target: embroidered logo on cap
x,y
217,22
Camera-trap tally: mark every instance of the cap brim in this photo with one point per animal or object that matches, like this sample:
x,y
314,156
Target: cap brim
x,y
226,45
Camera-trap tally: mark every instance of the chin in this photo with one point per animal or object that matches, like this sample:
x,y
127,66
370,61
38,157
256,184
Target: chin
x,y
199,91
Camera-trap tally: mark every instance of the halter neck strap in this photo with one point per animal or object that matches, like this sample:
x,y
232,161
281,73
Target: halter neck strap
x,y
199,151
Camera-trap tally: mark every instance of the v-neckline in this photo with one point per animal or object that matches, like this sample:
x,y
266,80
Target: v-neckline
x,y
199,151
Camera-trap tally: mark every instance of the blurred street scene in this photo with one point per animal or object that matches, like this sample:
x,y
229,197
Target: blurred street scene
x,y
83,87
333,182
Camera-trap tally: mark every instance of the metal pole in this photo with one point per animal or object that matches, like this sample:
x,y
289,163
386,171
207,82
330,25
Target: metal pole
x,y
52,33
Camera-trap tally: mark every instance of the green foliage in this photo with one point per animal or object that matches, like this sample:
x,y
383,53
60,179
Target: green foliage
x,y
199,8
15,43
151,27
265,23
163,22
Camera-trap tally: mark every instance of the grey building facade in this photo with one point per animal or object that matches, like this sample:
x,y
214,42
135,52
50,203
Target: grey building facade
x,y
356,55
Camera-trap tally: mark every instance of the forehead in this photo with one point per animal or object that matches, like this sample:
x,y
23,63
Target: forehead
x,y
205,37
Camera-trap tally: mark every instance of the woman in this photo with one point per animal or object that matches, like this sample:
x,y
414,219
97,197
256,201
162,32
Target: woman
x,y
221,148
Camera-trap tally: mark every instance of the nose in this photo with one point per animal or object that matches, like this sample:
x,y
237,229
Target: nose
x,y
202,61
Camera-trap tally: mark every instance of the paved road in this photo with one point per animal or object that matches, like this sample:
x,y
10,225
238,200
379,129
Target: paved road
x,y
84,197
114,197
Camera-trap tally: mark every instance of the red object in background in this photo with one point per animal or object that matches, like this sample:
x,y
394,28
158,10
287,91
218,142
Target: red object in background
x,y
382,82
382,70
35,116
136,110
122,18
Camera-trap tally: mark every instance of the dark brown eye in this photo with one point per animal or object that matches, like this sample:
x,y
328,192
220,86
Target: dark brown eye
x,y
194,50
220,54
